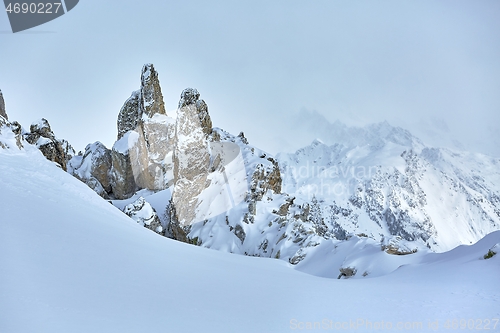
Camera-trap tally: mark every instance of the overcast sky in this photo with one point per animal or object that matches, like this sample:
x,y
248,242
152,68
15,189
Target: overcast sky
x,y
431,67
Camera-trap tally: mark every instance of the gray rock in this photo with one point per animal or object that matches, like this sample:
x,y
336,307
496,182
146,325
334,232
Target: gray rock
x,y
3,113
188,96
123,184
159,140
143,213
191,159
347,272
240,233
396,246
264,178
94,168
130,115
147,100
151,96
147,163
17,129
191,96
41,135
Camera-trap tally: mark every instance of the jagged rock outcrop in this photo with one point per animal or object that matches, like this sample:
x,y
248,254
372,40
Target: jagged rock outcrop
x,y
3,112
265,177
493,251
151,101
41,135
147,101
142,212
14,126
142,156
226,194
397,246
347,272
191,96
130,114
191,158
93,168
124,179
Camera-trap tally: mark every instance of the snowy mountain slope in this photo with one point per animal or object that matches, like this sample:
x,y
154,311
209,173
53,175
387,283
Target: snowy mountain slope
x,y
377,181
437,197
71,262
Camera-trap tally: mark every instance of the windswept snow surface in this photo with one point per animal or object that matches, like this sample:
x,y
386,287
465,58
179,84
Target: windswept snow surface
x,y
72,262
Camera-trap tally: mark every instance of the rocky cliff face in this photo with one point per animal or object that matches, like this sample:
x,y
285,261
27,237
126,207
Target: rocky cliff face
x,y
3,113
130,115
13,127
151,98
142,156
191,157
210,174
143,104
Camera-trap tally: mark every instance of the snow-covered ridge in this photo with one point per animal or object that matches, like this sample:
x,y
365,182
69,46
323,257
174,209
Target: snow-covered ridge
x,y
71,262
435,196
377,183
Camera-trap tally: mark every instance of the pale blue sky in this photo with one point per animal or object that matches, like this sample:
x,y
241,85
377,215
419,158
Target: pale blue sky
x,y
430,66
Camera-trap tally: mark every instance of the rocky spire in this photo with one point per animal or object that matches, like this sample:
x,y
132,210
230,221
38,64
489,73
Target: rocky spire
x,y
191,156
191,96
151,96
142,155
148,100
3,113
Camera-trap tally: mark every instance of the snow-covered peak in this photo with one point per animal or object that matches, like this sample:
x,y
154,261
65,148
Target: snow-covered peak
x,y
312,125
439,197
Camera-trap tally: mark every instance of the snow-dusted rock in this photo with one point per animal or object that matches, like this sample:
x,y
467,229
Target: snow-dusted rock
x,y
191,159
151,96
265,177
93,168
493,251
55,150
123,178
146,161
147,101
347,272
398,246
130,115
191,96
142,212
13,126
3,113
